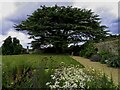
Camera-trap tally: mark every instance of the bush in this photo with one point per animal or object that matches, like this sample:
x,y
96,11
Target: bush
x,y
114,61
109,59
104,56
88,49
26,75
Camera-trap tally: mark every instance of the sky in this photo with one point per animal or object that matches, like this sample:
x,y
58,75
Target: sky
x,y
14,12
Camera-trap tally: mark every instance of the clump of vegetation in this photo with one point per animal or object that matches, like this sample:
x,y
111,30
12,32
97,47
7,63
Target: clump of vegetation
x,y
109,59
31,71
11,46
88,50
114,61
77,78
25,75
104,56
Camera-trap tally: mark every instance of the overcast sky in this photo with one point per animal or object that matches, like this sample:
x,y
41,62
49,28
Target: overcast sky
x,y
14,12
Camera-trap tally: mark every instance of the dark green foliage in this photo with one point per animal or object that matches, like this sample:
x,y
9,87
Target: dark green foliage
x,y
0,50
61,26
11,47
73,50
49,50
25,75
119,45
88,49
109,59
102,83
105,56
7,47
17,46
114,61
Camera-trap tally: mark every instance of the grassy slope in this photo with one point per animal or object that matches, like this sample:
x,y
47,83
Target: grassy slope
x,y
13,60
15,66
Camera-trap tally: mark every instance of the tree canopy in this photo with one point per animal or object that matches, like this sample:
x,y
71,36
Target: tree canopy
x,y
11,46
60,26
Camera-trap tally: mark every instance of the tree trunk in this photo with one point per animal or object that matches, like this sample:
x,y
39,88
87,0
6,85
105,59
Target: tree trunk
x,y
60,47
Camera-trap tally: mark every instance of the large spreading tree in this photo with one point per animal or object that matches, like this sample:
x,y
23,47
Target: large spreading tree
x,y
60,26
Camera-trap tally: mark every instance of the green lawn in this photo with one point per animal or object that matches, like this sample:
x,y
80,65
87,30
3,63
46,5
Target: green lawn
x,y
35,60
31,70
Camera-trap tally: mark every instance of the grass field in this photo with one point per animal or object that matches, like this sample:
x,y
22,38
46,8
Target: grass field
x,y
36,60
31,70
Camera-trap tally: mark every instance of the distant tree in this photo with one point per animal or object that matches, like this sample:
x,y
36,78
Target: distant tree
x,y
7,47
17,46
60,26
11,47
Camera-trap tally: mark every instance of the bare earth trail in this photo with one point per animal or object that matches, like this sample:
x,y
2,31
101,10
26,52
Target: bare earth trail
x,y
98,66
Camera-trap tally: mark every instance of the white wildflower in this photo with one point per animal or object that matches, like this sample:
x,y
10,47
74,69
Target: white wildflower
x,y
48,83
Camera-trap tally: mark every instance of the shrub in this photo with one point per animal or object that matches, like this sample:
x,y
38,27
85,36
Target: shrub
x,y
13,76
26,75
104,56
114,61
88,49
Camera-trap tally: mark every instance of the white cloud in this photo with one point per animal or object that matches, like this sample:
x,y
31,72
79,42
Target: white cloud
x,y
2,37
19,35
7,8
107,11
99,7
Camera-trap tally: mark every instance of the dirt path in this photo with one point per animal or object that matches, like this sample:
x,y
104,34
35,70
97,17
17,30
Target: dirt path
x,y
98,66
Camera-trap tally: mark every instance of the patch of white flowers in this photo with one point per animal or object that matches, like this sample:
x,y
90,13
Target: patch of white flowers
x,y
76,77
69,77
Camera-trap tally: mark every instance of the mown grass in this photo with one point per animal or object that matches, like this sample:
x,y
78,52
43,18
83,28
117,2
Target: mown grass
x,y
31,71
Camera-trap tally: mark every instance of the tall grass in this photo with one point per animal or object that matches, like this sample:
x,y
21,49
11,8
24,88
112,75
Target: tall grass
x,y
31,71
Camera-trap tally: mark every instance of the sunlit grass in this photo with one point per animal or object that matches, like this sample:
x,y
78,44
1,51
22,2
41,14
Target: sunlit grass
x,y
14,60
